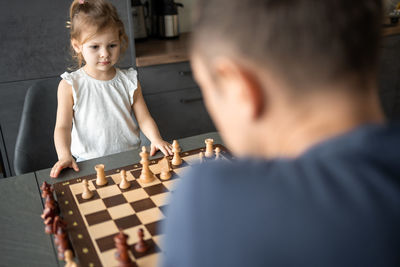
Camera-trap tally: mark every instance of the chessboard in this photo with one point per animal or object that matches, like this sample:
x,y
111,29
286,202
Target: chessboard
x,y
93,223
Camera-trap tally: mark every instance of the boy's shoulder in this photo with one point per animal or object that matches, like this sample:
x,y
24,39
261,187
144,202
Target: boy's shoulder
x,y
369,149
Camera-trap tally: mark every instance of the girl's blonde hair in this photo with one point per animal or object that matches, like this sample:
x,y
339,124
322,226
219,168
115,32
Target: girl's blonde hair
x,y
97,14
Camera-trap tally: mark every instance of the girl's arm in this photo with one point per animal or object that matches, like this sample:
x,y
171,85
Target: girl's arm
x,y
148,125
62,131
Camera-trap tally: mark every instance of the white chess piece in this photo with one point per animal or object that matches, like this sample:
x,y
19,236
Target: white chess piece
x,y
201,157
209,148
176,160
146,176
217,153
87,194
101,177
124,184
165,169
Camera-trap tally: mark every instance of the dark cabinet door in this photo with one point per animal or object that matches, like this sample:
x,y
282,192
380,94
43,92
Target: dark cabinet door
x,y
179,113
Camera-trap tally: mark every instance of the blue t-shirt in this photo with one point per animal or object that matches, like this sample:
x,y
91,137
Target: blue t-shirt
x,y
338,204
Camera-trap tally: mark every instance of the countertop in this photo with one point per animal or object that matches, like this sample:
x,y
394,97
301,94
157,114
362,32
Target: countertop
x,y
391,30
154,51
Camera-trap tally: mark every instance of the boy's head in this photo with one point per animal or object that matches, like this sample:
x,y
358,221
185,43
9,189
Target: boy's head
x,y
91,17
293,48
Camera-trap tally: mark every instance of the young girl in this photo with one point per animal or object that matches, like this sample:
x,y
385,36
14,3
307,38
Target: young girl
x,y
95,103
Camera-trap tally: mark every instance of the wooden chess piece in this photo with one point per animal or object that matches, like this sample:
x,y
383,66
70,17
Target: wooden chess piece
x,y
57,223
46,190
209,148
176,160
122,255
49,213
218,153
141,246
124,184
69,259
101,177
165,169
146,176
60,238
87,194
201,157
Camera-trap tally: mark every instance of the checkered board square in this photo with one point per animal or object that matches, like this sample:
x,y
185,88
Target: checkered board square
x,y
93,223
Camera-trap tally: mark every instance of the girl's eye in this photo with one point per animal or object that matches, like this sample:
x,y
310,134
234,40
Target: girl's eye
x,y
94,46
113,45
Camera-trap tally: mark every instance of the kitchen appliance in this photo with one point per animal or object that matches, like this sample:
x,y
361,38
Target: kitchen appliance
x,y
139,23
167,18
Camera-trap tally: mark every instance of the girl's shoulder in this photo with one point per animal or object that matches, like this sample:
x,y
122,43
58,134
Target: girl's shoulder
x,y
128,75
70,77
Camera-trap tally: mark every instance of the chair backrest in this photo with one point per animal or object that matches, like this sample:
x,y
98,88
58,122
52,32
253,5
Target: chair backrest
x,y
34,149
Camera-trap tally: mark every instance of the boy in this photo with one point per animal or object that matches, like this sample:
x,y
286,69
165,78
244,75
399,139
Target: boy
x,y
291,87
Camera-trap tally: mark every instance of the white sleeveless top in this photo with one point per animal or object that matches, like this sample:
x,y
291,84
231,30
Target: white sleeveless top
x,y
102,121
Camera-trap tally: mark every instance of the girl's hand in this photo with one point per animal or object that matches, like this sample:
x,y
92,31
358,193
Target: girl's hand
x,y
62,163
165,147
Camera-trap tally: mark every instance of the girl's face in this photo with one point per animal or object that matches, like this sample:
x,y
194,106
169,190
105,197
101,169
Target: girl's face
x,y
101,52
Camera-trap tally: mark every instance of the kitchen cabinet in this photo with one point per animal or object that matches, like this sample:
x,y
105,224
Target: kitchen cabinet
x,y
389,77
174,100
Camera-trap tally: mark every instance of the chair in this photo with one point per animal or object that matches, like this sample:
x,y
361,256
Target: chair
x,y
34,149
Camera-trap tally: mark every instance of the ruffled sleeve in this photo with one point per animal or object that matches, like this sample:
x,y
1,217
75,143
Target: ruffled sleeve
x,y
130,76
68,77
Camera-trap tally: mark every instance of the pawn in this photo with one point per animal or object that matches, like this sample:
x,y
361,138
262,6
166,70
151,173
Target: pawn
x,y
218,153
122,254
124,182
69,259
141,246
60,238
201,157
176,160
165,169
87,194
101,177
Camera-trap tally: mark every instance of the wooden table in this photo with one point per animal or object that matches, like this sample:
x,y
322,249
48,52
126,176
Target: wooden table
x,y
156,51
23,241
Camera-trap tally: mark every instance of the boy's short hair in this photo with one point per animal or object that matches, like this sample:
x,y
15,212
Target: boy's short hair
x,y
303,41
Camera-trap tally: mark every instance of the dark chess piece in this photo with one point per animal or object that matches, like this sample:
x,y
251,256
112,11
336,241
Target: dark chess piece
x,y
47,193
60,237
49,213
57,223
47,190
141,246
122,255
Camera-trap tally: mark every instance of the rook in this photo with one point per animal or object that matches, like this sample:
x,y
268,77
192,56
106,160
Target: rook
x,y
209,148
101,177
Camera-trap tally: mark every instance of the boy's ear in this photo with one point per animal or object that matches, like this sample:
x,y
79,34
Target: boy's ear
x,y
76,46
241,85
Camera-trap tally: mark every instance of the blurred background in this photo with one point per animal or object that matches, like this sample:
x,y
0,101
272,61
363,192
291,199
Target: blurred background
x,y
34,51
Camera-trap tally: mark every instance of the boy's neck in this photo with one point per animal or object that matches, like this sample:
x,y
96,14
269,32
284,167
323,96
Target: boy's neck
x,y
291,131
